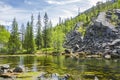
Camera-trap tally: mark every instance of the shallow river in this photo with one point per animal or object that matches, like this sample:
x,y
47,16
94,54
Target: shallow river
x,y
77,69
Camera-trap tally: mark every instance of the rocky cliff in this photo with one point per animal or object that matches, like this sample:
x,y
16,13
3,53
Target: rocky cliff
x,y
102,36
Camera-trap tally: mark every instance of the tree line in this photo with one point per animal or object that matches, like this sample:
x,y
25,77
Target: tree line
x,y
25,38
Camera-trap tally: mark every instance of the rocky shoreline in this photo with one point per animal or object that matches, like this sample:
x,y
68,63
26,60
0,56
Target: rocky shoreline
x,y
11,74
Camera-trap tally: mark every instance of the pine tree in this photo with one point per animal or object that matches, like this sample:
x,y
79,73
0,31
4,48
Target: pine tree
x,y
14,41
22,34
50,30
39,34
32,44
46,32
26,37
29,43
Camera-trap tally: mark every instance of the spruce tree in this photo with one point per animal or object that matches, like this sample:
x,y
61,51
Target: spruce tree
x,y
45,32
50,30
26,37
39,34
29,43
32,44
14,41
22,34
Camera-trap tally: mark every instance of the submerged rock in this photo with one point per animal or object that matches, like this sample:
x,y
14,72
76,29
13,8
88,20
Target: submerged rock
x,y
1,71
19,69
53,76
5,66
96,78
107,56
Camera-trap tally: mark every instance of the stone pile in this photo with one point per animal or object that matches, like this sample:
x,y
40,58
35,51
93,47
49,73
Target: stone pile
x,y
73,38
101,37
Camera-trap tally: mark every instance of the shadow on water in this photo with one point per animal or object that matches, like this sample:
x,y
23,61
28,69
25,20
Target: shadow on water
x,y
61,67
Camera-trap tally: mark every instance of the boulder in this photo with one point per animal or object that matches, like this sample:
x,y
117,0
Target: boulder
x,y
67,51
18,69
115,42
5,66
55,76
117,12
1,71
66,77
107,56
109,12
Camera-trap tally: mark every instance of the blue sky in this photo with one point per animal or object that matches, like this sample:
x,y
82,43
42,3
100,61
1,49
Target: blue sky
x,y
22,9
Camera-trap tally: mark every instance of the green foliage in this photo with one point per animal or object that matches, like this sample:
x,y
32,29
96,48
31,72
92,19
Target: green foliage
x,y
3,50
4,35
82,30
14,41
114,19
58,39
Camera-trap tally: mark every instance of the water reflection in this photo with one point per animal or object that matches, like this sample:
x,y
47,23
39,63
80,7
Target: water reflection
x,y
78,68
21,62
34,68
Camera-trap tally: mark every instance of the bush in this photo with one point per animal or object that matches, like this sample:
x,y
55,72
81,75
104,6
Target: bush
x,y
3,50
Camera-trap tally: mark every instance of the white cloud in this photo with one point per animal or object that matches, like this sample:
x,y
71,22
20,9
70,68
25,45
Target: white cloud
x,y
93,2
63,9
28,2
62,2
7,13
5,23
64,12
4,7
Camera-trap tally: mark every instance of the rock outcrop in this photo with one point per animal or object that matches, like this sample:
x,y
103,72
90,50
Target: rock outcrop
x,y
73,38
100,37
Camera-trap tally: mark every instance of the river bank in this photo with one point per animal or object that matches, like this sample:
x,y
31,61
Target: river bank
x,y
77,68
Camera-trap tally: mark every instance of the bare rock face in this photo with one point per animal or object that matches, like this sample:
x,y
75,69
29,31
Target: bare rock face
x,y
73,39
99,34
102,36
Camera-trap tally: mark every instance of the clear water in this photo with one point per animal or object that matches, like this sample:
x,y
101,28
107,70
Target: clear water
x,y
78,69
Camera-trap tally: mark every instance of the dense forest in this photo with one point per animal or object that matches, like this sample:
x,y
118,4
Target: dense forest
x,y
21,39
